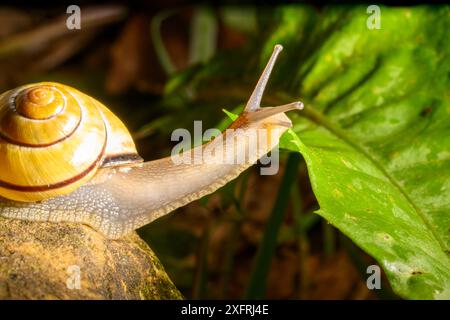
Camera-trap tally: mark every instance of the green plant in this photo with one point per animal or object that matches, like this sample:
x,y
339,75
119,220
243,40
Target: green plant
x,y
375,132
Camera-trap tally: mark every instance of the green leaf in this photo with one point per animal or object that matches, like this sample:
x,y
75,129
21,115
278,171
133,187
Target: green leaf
x,y
239,18
231,115
375,134
203,38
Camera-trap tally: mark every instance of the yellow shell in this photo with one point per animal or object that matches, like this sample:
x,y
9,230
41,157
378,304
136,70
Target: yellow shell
x,y
53,138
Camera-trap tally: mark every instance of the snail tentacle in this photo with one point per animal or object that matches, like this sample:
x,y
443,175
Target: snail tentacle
x,y
254,102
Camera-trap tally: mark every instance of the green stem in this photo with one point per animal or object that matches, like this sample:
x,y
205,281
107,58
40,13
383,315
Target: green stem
x,y
158,43
229,258
230,250
329,239
203,35
302,245
200,279
258,278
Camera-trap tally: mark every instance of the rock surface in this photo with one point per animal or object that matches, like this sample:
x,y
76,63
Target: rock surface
x,y
72,261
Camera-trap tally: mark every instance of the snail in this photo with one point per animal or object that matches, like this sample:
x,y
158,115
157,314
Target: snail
x,y
64,157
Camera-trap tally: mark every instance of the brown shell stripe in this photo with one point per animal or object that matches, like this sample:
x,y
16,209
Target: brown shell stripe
x,y
81,175
29,145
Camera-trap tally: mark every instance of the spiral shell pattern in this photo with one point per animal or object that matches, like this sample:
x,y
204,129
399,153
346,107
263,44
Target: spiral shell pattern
x,y
53,138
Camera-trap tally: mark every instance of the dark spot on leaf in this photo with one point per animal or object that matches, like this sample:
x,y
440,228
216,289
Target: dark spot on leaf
x,y
425,112
416,272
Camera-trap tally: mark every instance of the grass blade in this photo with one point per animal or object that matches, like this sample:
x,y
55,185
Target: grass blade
x,y
258,279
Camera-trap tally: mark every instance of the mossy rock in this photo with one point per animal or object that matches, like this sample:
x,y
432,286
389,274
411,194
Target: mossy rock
x,y
41,261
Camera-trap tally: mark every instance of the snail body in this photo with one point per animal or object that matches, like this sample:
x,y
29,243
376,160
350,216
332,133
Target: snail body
x,y
65,157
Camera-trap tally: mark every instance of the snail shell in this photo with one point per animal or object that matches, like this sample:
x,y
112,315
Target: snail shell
x,y
53,139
